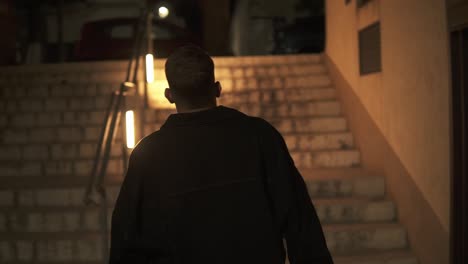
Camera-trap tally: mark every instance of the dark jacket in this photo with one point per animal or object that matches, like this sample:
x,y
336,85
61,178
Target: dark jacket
x,y
215,186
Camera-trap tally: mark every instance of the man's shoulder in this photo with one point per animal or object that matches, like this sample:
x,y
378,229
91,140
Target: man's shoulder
x,y
261,124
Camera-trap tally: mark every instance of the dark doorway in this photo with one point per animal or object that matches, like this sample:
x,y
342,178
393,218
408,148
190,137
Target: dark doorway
x,y
459,230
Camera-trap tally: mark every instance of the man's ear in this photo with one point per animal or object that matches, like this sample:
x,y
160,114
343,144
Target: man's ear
x,y
218,88
168,95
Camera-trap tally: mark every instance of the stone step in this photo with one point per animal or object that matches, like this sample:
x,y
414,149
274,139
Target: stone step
x,y
50,191
81,249
292,110
342,240
316,142
64,211
302,147
267,71
63,168
307,81
63,90
55,103
49,135
343,183
278,95
96,96
354,210
53,152
379,257
349,239
327,159
286,60
56,119
309,124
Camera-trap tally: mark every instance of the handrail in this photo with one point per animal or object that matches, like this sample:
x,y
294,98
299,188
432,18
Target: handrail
x,y
95,193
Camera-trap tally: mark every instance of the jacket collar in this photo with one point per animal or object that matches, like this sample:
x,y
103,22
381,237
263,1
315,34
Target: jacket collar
x,y
211,115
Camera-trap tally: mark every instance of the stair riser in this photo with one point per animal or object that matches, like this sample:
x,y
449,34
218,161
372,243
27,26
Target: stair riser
x,y
370,187
292,110
67,168
58,251
326,159
319,142
351,242
56,218
267,71
309,125
355,213
339,243
277,96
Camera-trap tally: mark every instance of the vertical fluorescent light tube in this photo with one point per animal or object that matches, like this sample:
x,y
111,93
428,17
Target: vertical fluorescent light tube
x,y
149,68
130,125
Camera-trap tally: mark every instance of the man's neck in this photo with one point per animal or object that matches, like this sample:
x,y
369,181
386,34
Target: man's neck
x,y
181,109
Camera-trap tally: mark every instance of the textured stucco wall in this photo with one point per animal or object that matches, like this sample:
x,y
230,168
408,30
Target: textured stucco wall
x,y
409,99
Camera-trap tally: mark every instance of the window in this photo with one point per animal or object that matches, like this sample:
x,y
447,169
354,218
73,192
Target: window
x,y
370,49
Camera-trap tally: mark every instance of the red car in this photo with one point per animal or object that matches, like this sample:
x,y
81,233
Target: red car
x,y
113,39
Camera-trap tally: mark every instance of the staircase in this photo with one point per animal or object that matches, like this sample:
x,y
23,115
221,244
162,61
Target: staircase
x,y
51,116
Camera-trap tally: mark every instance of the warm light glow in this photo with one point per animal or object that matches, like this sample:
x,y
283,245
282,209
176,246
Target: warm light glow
x,y
130,125
163,12
149,68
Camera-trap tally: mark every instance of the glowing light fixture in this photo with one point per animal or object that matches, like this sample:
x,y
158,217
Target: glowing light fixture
x,y
130,128
149,68
163,12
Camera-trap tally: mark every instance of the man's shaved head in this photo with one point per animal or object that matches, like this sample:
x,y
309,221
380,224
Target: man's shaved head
x,y
190,74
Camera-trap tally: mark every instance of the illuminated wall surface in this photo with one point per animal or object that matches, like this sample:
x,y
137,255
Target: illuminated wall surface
x,y
409,99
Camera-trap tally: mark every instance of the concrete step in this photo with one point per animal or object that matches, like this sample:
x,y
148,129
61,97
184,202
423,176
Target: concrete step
x,y
303,69
76,159
63,168
81,249
309,124
286,60
307,81
342,240
350,239
327,159
316,142
354,210
48,102
75,133
59,89
343,183
56,119
43,211
51,191
96,96
53,152
278,95
379,257
292,110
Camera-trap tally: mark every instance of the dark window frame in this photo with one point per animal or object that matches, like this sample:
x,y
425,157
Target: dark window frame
x,y
370,49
